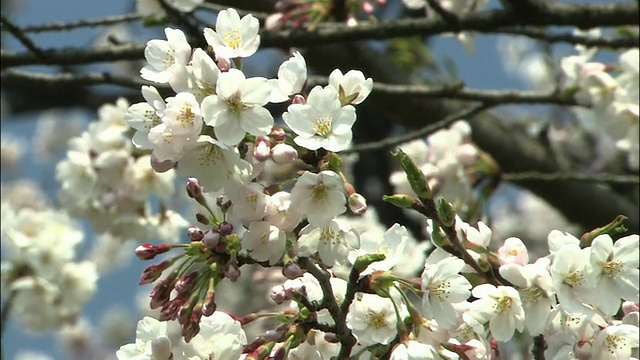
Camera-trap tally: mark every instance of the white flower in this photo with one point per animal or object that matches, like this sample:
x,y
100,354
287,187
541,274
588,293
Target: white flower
x,y
144,116
322,122
352,87
314,292
215,165
234,37
614,271
280,213
616,342
220,337
414,350
391,244
513,251
292,75
164,57
332,242
557,239
237,108
536,291
373,319
501,306
443,285
319,196
166,145
264,241
182,115
152,342
569,275
205,74
249,202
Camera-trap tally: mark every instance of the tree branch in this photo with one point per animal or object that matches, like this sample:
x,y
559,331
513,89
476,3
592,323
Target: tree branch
x,y
62,26
582,16
563,176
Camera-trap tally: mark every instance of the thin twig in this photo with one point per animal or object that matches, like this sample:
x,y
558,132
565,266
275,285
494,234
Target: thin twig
x,y
606,42
563,176
64,26
24,40
420,133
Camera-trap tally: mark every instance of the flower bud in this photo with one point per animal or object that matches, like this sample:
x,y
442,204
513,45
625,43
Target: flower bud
x,y
403,201
190,330
194,233
298,99
202,219
629,307
367,8
147,251
446,212
223,203
283,154
274,22
331,338
231,271
415,176
184,282
223,64
363,261
357,204
277,134
291,271
211,239
226,228
262,150
153,272
278,295
194,190
210,305
160,293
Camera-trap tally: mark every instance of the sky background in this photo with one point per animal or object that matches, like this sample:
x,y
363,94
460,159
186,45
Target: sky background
x,y
482,69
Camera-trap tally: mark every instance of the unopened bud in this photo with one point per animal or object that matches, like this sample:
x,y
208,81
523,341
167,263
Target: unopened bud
x,y
226,228
446,212
262,150
401,200
211,239
209,303
184,282
148,251
357,204
223,64
202,219
274,22
231,271
292,271
194,190
416,177
194,233
277,134
283,154
331,338
363,261
367,8
298,99
629,307
223,203
190,330
278,294
153,272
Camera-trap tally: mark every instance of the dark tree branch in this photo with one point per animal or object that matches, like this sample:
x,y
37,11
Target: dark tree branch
x,y
64,26
604,42
24,40
582,16
563,176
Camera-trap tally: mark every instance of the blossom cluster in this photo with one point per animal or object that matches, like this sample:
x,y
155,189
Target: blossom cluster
x,y
611,92
275,196
40,267
104,180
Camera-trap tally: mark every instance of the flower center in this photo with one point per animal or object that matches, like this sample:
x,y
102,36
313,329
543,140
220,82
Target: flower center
x,y
532,295
613,269
615,343
440,290
502,304
319,193
209,156
186,116
236,105
574,279
151,119
322,124
327,235
169,58
375,319
232,38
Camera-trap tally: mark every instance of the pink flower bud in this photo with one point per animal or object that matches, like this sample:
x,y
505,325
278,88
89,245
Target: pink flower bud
x,y
231,271
298,99
292,271
283,154
262,151
153,272
277,134
194,190
161,166
211,239
161,293
184,282
209,303
513,251
223,64
226,228
202,219
194,233
367,8
274,22
190,330
147,251
278,295
357,204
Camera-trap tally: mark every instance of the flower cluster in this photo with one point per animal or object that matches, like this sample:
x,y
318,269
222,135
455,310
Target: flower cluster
x,y
611,91
40,269
276,197
103,179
